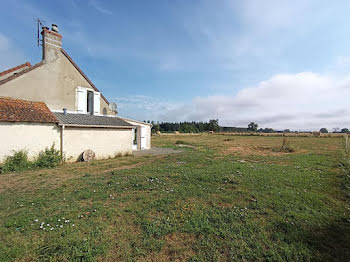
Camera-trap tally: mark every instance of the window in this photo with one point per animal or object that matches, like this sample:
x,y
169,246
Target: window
x,y
90,102
104,111
87,101
135,136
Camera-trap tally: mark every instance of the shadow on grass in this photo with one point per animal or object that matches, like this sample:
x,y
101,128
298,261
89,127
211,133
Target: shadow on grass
x,y
331,243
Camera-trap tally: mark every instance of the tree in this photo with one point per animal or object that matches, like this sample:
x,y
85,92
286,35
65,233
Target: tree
x,y
286,131
252,127
336,130
344,130
323,130
268,130
214,125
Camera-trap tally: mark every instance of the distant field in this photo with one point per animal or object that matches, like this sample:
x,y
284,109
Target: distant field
x,y
223,198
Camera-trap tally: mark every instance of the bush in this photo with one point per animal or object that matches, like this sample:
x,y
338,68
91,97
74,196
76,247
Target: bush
x,y
48,158
17,162
286,148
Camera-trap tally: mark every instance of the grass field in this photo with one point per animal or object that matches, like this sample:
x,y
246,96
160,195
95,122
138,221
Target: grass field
x,y
223,198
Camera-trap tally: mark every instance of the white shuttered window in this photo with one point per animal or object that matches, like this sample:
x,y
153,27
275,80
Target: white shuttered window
x,y
81,100
97,96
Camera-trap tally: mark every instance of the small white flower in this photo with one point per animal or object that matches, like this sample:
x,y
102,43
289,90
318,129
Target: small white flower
x,y
73,225
36,220
59,220
48,225
51,228
61,225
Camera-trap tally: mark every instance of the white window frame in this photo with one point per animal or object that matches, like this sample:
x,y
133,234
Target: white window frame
x,y
81,100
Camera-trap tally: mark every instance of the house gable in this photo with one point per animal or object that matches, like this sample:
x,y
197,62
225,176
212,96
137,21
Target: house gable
x,y
54,82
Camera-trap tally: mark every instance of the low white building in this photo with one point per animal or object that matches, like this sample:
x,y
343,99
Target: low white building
x,y
81,117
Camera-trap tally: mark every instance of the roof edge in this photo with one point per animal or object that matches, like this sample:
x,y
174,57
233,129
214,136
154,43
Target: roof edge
x,y
83,74
94,126
15,68
21,73
137,121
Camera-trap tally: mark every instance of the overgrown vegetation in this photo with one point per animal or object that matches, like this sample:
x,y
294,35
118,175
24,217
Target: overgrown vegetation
x,y
217,201
286,148
17,162
48,158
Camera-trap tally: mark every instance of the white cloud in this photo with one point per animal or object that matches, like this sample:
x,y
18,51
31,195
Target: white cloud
x,y
97,5
300,101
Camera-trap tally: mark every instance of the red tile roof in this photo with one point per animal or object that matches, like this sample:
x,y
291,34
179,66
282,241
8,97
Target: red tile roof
x,y
17,110
15,68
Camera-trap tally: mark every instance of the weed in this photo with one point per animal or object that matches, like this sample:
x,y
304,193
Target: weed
x,y
285,148
48,158
17,162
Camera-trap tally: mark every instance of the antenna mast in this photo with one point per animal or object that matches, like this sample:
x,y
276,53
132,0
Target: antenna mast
x,y
39,26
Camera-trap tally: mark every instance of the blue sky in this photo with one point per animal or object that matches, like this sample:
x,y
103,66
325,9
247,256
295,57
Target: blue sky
x,y
283,64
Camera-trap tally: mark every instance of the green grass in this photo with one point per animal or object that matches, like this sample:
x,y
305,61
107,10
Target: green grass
x,y
224,199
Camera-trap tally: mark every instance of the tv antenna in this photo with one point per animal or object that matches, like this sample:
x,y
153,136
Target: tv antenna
x,y
39,26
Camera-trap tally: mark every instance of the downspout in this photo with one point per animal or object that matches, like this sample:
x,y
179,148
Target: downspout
x,y
62,142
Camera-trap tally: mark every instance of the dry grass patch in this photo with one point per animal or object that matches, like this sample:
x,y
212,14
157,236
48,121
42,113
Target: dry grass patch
x,y
53,178
177,247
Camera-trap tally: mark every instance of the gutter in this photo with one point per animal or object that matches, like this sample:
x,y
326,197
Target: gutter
x,y
94,126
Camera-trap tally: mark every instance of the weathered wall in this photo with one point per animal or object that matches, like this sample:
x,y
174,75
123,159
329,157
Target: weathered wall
x,y
54,83
148,131
33,137
105,142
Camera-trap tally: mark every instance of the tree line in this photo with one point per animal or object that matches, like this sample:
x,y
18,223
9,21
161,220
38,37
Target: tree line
x,y
186,127
213,125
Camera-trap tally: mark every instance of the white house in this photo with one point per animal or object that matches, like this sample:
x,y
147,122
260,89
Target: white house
x,y
80,117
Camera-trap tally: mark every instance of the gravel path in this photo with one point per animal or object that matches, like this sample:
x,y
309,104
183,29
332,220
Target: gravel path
x,y
155,151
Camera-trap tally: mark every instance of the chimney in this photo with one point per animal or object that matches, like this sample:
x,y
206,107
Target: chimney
x,y
52,43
